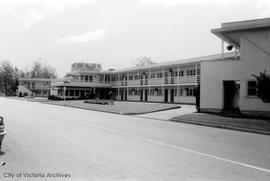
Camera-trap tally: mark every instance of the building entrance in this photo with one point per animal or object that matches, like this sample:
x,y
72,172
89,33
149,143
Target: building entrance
x,y
166,95
231,95
172,95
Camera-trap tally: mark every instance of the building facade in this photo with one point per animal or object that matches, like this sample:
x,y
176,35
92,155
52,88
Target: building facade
x,y
34,87
170,82
230,84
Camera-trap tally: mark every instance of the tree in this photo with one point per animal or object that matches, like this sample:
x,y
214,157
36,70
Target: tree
x,y
39,70
7,78
143,61
263,86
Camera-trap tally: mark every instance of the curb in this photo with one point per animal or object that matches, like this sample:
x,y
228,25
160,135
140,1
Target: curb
x,y
223,126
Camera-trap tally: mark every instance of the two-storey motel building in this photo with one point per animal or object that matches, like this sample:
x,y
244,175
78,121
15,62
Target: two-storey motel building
x,y
172,82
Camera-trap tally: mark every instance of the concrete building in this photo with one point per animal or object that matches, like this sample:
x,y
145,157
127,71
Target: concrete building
x,y
34,87
230,84
172,82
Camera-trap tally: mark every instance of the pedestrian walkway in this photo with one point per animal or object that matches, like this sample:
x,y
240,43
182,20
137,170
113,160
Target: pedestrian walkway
x,y
236,123
168,114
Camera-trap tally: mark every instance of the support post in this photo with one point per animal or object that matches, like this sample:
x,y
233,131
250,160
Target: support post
x,y
222,48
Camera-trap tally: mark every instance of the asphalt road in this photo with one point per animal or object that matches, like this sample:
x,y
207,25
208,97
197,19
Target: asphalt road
x,y
87,145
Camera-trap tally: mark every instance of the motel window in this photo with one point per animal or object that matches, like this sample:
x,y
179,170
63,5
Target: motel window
x,y
77,93
136,77
252,88
86,78
159,75
152,92
194,72
81,77
71,92
153,76
135,92
181,73
180,92
190,92
90,78
130,92
159,92
166,74
190,72
130,77
175,74
37,91
198,71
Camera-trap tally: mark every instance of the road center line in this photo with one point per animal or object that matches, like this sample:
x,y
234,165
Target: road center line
x,y
183,149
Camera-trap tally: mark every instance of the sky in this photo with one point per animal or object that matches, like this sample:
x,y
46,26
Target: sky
x,y
115,33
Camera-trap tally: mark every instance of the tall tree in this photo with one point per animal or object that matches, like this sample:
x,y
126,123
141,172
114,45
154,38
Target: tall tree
x,y
143,61
39,70
7,78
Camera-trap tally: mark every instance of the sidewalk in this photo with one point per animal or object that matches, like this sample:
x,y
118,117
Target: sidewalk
x,y
166,115
241,124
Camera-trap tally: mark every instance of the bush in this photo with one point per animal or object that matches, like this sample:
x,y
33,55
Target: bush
x,y
53,97
99,101
263,89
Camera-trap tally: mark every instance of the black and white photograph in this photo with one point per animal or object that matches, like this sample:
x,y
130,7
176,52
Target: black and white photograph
x,y
135,90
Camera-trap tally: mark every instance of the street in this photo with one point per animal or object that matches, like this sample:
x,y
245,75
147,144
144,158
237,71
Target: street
x,y
73,144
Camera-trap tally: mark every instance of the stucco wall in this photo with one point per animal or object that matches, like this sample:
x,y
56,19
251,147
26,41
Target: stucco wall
x,y
212,76
255,53
255,58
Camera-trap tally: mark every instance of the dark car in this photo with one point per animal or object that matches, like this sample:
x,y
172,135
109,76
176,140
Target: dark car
x,y
2,130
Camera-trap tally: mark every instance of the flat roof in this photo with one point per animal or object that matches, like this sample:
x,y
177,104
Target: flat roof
x,y
230,32
169,64
34,79
243,25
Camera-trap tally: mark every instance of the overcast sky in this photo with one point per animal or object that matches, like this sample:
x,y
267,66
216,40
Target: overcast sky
x,y
115,32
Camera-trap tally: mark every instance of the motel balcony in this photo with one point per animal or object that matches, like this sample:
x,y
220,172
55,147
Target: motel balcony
x,y
78,83
183,80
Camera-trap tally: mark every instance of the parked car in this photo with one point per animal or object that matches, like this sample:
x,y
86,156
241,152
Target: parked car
x,y
2,130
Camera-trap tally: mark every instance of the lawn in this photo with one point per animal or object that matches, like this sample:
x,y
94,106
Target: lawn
x,y
127,108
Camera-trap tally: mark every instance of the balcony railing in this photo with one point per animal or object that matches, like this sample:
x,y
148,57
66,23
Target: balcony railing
x,y
159,81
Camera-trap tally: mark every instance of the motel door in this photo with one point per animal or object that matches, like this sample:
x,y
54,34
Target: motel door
x,y
145,95
141,95
172,95
166,95
122,94
231,95
125,94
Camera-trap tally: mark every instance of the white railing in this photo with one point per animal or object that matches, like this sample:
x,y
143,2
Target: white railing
x,y
159,81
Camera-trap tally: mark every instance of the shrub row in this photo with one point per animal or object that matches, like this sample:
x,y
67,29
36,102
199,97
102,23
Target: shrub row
x,y
99,101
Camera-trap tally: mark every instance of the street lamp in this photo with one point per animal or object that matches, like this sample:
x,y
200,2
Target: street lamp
x,y
65,82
